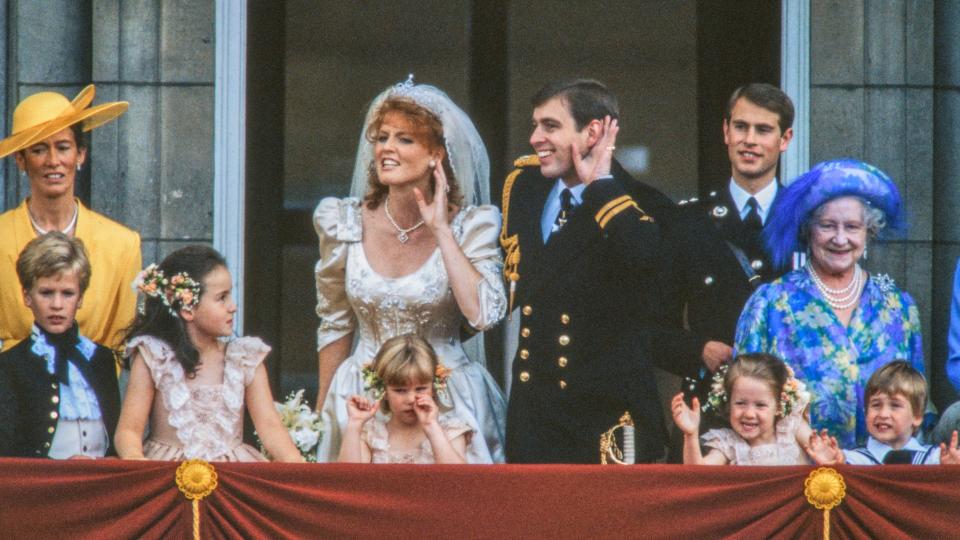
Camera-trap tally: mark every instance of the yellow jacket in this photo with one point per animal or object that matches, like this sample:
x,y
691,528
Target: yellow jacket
x,y
109,302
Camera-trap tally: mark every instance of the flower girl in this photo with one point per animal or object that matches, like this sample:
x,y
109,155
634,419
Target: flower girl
x,y
406,380
764,404
190,383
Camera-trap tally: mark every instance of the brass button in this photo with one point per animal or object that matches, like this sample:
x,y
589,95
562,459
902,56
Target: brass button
x,y
527,310
562,361
564,340
524,376
565,319
46,445
525,332
51,429
54,415
524,354
55,399
563,385
708,280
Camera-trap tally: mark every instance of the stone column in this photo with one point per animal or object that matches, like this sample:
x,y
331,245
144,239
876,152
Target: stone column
x,y
872,99
45,53
156,170
152,169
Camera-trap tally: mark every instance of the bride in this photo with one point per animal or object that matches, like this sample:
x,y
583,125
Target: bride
x,y
418,254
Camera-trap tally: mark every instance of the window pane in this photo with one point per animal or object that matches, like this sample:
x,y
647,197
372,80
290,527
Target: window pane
x,y
644,51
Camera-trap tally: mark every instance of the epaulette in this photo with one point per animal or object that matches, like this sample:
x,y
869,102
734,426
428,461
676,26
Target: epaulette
x,y
615,207
530,160
511,244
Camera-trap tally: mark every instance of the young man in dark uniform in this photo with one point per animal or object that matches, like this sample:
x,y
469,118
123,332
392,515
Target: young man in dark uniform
x,y
581,254
718,254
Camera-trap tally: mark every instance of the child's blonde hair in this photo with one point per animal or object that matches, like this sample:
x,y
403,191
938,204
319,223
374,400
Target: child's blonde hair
x,y
405,359
761,366
899,377
53,254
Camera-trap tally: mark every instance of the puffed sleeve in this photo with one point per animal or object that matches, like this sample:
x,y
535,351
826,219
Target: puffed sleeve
x,y
157,355
166,371
723,440
247,353
481,227
337,222
454,426
751,334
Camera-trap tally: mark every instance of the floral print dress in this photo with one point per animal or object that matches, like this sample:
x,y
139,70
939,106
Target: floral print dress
x,y
790,318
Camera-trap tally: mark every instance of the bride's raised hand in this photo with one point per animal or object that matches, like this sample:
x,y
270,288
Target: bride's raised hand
x,y
434,213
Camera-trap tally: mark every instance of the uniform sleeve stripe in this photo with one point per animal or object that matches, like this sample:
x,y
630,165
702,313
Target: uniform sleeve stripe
x,y
616,210
610,205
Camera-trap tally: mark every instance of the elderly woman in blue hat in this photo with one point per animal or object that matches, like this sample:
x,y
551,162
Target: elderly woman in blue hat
x,y
829,319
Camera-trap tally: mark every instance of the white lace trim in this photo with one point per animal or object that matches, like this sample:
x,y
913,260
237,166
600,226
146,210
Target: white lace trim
x,y
78,401
205,434
377,437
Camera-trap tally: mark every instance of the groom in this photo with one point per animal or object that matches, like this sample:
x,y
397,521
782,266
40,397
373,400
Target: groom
x,y
581,252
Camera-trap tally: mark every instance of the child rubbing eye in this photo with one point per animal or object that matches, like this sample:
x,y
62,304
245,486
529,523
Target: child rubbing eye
x,y
408,374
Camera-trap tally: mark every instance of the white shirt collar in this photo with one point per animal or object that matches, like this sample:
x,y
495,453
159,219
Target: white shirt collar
x,y
576,191
879,450
552,206
764,199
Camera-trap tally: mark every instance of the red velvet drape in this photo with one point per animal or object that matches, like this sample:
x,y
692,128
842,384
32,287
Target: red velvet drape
x,y
114,499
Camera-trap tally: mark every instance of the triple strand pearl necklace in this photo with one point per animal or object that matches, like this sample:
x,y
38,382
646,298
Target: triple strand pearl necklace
x,y
844,297
402,234
66,230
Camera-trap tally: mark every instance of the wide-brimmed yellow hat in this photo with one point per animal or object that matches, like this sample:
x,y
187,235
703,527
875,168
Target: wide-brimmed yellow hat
x,y
46,113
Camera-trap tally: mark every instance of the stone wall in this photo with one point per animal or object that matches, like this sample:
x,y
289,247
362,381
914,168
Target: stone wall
x,y
153,168
876,95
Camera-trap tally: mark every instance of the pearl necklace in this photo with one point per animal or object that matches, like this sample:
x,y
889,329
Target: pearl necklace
x,y
402,234
842,298
41,231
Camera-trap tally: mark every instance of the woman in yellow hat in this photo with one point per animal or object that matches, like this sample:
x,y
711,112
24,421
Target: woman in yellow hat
x,y
48,145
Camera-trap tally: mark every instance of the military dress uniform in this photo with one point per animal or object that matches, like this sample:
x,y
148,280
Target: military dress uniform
x,y
717,262
30,399
583,296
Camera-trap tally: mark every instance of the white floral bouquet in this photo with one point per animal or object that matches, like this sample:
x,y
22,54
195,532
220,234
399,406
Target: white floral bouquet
x,y
302,422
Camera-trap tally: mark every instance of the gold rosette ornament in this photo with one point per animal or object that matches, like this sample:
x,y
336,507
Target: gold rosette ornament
x,y
825,489
196,479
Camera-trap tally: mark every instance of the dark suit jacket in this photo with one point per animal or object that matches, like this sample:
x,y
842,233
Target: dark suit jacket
x,y
585,299
29,398
707,284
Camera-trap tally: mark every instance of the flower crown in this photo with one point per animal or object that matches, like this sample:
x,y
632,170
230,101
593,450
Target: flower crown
x,y
793,396
375,386
180,288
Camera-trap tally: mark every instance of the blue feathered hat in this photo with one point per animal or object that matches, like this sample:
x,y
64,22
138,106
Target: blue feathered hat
x,y
826,181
